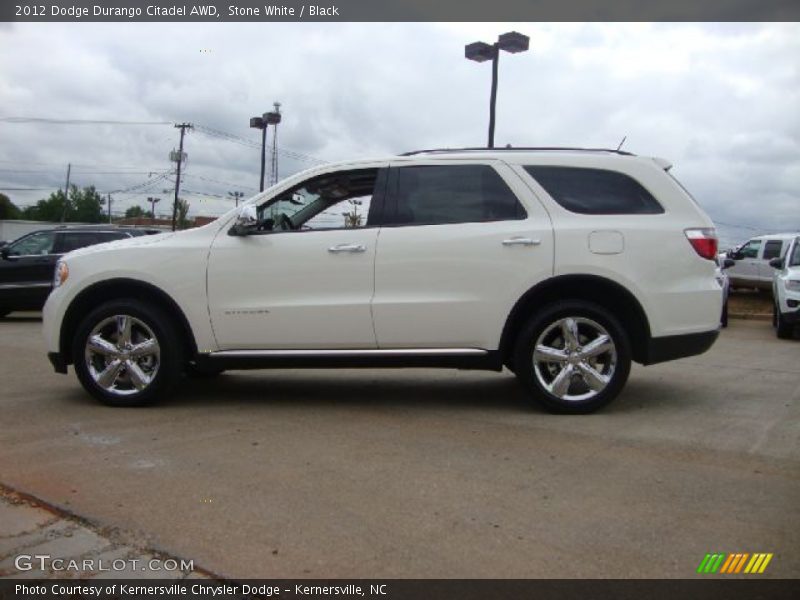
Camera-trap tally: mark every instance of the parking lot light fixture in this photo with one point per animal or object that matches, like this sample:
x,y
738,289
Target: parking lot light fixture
x,y
513,42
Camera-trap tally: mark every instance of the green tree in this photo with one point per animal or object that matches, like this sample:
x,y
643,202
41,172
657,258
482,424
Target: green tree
x,y
8,210
136,211
183,214
84,206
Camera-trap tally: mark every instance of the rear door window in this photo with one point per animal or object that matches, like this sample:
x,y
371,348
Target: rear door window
x,y
438,195
595,191
72,240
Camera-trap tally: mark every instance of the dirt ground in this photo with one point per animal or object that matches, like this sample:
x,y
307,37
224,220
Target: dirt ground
x,y
750,302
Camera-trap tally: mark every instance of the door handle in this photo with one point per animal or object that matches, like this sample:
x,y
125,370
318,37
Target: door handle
x,y
521,241
347,248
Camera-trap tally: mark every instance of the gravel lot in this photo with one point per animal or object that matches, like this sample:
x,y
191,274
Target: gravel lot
x,y
424,473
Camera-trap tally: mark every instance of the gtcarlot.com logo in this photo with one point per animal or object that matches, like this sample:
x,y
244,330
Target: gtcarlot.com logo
x,y
737,562
44,562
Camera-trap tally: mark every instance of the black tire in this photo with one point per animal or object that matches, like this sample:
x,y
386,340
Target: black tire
x,y
4,313
169,361
587,316
775,314
783,329
724,319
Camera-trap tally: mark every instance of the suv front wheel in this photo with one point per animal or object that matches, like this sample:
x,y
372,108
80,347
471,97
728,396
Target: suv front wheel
x,y
127,353
573,357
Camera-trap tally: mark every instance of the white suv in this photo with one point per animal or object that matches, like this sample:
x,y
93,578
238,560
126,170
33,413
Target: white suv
x,y
563,265
786,290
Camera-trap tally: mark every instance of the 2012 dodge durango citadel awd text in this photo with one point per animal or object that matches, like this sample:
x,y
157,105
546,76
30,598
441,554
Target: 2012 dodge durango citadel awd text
x,y
561,265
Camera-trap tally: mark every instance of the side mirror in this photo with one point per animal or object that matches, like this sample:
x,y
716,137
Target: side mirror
x,y
728,263
246,221
4,252
735,255
776,263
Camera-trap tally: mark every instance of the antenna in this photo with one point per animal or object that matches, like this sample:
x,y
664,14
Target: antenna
x,y
624,137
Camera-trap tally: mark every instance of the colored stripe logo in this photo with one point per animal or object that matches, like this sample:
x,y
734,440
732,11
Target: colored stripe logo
x,y
737,562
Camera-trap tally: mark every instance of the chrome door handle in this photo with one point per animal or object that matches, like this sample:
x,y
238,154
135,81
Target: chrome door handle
x,y
521,241
347,248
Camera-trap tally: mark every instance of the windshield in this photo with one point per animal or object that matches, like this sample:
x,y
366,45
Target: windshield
x,y
794,258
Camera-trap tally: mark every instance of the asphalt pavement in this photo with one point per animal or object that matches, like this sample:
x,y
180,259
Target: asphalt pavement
x,y
423,473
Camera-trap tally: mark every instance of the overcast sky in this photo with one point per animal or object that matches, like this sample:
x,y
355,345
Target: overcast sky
x,y
718,100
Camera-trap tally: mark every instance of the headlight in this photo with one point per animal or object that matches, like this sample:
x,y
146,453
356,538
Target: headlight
x,y
793,285
62,272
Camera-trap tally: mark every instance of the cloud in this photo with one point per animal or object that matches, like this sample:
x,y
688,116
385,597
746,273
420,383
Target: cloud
x,y
719,100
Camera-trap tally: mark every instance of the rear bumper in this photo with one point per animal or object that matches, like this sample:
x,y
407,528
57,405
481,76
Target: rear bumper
x,y
58,362
671,347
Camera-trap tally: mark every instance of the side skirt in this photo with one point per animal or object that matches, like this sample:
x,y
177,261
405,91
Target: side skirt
x,y
447,358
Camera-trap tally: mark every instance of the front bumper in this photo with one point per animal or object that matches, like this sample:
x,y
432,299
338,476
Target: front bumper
x,y
792,317
671,347
58,362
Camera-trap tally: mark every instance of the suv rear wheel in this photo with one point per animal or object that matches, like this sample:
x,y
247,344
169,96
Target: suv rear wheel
x,y
127,353
573,357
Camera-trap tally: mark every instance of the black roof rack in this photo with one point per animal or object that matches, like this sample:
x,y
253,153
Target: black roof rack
x,y
515,148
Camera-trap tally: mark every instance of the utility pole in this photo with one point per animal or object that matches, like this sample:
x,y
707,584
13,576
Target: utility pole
x,y
179,159
109,209
66,195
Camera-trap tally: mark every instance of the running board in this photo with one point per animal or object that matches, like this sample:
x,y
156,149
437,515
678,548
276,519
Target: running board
x,y
457,358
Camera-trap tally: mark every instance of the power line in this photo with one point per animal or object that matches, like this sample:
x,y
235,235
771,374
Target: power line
x,y
21,189
78,121
229,183
242,141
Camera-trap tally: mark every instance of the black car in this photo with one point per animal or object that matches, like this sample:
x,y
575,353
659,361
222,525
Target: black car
x,y
28,264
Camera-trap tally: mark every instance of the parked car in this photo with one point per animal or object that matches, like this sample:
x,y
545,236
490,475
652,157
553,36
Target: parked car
x,y
28,263
722,278
786,290
562,265
752,258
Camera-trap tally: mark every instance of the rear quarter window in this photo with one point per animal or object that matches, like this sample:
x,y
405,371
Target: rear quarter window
x,y
595,191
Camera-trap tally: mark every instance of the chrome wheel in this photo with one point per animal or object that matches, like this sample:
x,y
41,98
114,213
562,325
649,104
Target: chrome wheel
x,y
574,358
122,355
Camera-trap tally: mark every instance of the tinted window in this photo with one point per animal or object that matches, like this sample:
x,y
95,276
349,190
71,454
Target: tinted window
x,y
110,236
595,191
72,240
772,249
69,241
451,194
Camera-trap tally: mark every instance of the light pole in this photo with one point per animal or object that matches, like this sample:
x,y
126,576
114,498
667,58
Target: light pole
x,y
261,123
273,118
236,196
152,202
512,42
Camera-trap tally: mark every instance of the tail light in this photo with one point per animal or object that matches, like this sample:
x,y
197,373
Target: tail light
x,y
704,241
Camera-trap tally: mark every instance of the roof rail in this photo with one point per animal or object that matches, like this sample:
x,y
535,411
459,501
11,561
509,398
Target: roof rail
x,y
515,148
